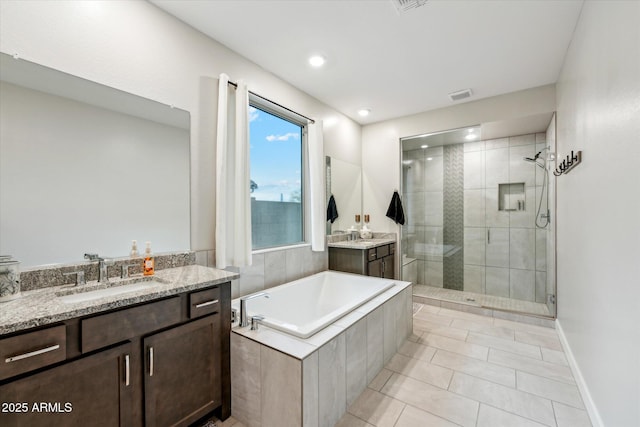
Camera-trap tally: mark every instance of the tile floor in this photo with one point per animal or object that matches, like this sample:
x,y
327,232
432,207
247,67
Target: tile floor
x,y
463,369
482,300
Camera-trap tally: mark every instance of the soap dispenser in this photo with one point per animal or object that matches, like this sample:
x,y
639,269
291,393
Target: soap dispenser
x,y
134,249
148,263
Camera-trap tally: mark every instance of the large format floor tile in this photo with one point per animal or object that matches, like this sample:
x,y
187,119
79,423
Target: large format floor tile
x,y
464,369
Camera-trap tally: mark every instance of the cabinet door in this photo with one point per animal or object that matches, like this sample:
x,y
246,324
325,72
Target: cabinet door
x,y
92,391
182,373
375,268
388,267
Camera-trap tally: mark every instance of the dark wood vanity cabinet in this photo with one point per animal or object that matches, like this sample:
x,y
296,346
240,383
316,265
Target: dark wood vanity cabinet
x,y
181,382
160,363
94,390
377,262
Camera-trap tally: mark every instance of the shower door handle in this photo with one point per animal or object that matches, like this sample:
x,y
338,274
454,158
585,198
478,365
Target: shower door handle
x,y
488,236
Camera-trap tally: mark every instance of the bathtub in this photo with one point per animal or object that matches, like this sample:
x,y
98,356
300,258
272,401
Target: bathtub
x,y
305,306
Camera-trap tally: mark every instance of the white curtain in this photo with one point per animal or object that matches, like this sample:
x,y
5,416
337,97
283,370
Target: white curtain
x,y
233,199
316,186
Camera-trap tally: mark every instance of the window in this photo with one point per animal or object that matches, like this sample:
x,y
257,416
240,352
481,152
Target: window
x,y
276,161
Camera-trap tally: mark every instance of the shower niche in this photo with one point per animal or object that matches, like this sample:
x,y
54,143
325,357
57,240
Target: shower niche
x,y
511,197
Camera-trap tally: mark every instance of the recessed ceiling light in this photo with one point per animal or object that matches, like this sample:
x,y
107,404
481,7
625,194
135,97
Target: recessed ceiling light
x,y
317,61
424,146
470,130
429,158
363,112
470,136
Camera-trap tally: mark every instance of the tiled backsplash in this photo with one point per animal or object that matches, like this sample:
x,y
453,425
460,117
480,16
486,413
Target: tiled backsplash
x,y
44,277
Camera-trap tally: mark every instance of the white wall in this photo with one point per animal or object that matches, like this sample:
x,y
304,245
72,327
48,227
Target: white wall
x,y
136,47
381,141
598,229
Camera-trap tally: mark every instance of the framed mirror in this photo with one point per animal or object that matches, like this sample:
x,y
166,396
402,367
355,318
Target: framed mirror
x,y
344,183
87,168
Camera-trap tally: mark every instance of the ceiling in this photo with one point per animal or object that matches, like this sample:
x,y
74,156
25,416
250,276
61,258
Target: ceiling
x,y
394,64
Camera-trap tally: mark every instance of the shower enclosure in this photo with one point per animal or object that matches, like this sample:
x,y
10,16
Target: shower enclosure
x,y
479,218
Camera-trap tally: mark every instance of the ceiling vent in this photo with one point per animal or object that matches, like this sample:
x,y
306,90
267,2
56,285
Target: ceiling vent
x,y
406,5
461,94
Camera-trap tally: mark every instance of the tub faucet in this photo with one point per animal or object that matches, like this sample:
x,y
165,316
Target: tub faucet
x,y
243,307
102,266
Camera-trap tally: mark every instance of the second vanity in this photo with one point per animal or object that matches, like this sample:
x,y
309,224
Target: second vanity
x,y
156,356
370,257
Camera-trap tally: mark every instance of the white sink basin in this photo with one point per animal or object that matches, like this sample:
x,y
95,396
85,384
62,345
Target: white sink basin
x,y
88,295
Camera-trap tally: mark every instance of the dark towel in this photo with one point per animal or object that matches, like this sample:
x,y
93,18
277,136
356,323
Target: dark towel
x,y
395,211
332,210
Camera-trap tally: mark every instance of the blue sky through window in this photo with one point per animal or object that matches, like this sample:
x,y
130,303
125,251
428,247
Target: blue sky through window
x,y
276,157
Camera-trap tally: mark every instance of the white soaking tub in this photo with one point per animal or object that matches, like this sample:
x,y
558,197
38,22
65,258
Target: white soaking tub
x,y
305,306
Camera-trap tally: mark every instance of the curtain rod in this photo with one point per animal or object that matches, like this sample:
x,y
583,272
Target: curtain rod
x,y
276,104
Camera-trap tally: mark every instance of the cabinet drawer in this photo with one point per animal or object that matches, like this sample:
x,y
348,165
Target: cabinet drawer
x,y
32,350
383,251
204,302
371,254
106,329
392,248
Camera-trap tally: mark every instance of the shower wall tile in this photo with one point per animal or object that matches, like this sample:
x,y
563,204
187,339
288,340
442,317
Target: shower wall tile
x,y
519,169
497,281
433,235
433,178
497,247
541,286
541,249
522,284
493,216
522,248
543,208
474,170
413,154
474,278
414,208
525,218
497,167
414,179
541,138
433,151
474,245
434,274
433,209
474,209
473,146
422,279
492,144
522,140
540,172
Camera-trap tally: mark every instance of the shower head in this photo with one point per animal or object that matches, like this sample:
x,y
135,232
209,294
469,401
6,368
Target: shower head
x,y
535,160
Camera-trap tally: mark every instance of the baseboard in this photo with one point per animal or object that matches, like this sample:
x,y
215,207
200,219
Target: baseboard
x,y
590,406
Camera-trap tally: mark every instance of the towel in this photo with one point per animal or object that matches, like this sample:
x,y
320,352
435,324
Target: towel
x,y
395,211
332,210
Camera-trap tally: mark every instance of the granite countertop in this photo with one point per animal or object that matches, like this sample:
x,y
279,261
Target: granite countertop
x,y
361,243
42,306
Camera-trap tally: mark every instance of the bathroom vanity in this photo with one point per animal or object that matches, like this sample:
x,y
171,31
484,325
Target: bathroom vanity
x,y
370,257
154,357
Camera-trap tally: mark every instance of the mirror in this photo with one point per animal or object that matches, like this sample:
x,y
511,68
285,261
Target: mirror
x,y
87,168
344,182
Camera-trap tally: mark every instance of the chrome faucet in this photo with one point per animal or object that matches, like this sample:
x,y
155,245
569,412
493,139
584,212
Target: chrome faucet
x,y
243,307
102,266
